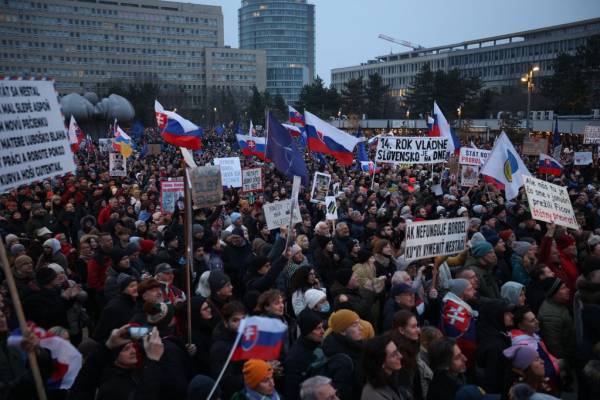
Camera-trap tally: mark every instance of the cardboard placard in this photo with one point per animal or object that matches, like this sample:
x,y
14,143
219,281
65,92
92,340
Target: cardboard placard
x,y
411,150
252,180
549,202
170,192
470,156
278,214
231,171
34,144
582,158
117,164
591,134
427,239
320,187
469,175
154,149
533,146
331,208
207,187
105,145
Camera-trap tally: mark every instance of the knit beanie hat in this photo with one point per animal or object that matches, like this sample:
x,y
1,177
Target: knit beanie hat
x,y
551,286
458,286
491,236
307,321
11,237
477,237
363,256
22,260
123,280
341,320
257,263
44,276
505,234
56,268
53,244
256,371
343,276
234,216
159,313
16,249
117,255
521,247
200,387
564,241
480,249
295,249
368,332
312,297
146,246
521,355
216,280
197,228
131,248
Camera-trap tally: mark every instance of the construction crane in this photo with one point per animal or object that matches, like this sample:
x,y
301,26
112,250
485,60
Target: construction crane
x,y
401,42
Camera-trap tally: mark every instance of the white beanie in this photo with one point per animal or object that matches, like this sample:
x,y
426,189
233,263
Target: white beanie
x,y
312,297
56,268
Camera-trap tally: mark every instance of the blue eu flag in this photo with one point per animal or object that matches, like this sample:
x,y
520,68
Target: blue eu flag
x,y
282,150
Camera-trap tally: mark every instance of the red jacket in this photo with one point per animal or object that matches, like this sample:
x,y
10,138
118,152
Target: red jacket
x,y
104,215
96,273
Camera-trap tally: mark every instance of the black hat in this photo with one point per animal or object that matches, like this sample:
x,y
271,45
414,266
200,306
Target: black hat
x,y
116,255
123,280
590,264
551,286
131,248
343,276
307,321
169,236
363,256
216,280
238,231
44,276
200,387
256,263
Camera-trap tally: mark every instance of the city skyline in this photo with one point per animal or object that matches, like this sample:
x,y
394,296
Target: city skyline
x,y
345,44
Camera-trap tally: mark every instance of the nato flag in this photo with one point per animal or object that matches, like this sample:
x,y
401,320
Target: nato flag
x,y
282,150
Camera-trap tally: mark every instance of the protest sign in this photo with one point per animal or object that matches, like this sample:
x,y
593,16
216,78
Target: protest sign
x,y
549,202
533,146
252,180
320,187
207,187
296,187
105,145
117,164
426,239
278,214
470,156
582,158
154,149
170,192
34,144
231,171
469,175
411,150
331,208
591,134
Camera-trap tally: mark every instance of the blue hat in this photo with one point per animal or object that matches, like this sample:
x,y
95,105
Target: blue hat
x,y
480,249
472,392
234,216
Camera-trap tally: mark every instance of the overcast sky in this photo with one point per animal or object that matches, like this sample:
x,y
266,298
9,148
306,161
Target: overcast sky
x,y
346,30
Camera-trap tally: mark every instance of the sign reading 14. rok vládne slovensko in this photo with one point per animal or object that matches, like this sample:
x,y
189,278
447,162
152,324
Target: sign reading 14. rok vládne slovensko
x,y
411,150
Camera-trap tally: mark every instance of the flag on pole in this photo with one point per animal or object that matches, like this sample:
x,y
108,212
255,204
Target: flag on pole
x,y
251,130
295,116
252,145
122,142
327,139
75,135
177,130
282,150
260,337
294,130
505,166
441,128
548,165
556,144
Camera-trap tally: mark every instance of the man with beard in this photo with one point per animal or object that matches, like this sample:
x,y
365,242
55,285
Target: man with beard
x,y
341,239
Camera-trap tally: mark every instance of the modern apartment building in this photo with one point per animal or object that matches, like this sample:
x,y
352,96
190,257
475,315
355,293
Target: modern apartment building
x,y
286,30
498,60
86,45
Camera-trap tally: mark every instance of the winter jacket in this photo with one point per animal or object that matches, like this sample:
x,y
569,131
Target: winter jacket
x,y
46,307
296,365
96,271
233,378
488,287
345,379
382,393
557,329
115,314
519,273
111,286
444,385
262,283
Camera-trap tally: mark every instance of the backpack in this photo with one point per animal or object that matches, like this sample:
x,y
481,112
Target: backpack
x,y
322,365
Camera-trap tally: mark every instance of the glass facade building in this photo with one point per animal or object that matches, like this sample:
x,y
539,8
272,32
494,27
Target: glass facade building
x,y
286,30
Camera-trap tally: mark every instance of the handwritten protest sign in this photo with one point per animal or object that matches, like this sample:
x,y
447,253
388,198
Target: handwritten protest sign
x,y
252,180
207,187
591,134
278,214
582,158
320,187
34,144
469,175
533,146
231,171
411,150
549,202
170,192
117,164
426,239
470,156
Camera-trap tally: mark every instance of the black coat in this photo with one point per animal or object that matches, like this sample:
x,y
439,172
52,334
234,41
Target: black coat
x,y
233,378
296,364
117,313
444,385
46,307
345,380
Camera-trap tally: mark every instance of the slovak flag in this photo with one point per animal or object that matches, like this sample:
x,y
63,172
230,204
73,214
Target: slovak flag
x,y
259,337
75,135
369,167
251,131
327,139
548,165
177,130
252,145
66,359
294,130
459,322
295,116
441,128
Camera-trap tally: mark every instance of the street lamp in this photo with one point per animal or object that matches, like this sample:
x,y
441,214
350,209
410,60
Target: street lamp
x,y
528,78
407,114
459,112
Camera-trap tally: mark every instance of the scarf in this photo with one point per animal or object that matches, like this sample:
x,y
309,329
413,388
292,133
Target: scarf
x,y
253,395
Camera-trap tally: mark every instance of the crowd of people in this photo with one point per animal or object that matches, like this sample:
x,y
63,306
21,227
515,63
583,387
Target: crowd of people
x,y
516,315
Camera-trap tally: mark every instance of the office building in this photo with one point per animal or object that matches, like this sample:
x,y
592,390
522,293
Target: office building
x,y
286,30
499,60
87,45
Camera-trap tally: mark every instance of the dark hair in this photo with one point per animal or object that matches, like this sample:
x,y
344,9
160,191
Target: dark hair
x,y
519,313
441,352
401,318
231,308
300,278
266,298
537,272
372,360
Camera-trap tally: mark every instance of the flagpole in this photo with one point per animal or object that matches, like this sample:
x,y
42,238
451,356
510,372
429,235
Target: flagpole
x,y
228,360
189,251
14,294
